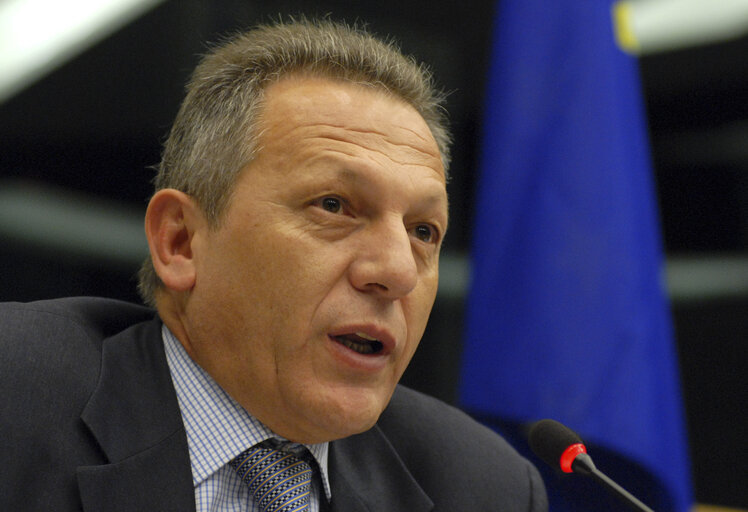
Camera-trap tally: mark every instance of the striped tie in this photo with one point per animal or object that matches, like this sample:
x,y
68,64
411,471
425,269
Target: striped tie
x,y
278,480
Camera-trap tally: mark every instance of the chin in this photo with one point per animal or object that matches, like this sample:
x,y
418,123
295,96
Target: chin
x,y
349,417
351,428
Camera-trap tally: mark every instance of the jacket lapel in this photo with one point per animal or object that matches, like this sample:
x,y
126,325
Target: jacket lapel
x,y
134,416
366,474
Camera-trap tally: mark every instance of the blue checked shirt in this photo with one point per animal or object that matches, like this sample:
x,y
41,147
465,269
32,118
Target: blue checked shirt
x,y
218,430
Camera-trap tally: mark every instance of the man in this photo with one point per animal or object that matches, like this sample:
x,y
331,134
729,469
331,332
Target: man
x,y
294,237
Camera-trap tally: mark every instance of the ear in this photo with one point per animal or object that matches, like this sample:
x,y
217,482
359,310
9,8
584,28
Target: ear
x,y
170,224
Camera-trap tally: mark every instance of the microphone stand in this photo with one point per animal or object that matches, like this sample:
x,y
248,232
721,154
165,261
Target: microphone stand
x,y
583,464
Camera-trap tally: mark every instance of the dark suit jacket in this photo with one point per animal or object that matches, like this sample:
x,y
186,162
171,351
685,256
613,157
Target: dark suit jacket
x,y
89,421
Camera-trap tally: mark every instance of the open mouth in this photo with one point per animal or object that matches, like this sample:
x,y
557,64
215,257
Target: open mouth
x,y
359,342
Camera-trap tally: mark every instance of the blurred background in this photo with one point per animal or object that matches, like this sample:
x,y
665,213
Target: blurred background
x,y
88,91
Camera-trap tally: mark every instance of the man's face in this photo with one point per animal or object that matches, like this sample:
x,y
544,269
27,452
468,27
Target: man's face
x,y
313,294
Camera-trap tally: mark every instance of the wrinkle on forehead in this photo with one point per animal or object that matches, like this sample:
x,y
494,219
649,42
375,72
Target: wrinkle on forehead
x,y
305,110
402,153
387,137
389,156
350,141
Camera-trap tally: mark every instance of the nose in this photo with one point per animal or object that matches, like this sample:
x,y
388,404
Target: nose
x,y
385,264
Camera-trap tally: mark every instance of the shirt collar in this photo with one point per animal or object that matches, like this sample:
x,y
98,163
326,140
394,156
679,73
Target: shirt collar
x,y
218,428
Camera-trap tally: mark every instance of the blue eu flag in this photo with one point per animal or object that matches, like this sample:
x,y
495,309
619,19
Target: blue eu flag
x,y
567,316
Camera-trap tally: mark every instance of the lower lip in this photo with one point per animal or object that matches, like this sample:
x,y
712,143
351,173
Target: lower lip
x,y
370,363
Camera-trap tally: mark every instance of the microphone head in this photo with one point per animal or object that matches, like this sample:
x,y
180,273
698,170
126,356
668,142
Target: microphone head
x,y
550,439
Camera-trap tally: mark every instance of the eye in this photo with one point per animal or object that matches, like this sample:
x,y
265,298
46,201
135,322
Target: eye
x,y
426,233
331,204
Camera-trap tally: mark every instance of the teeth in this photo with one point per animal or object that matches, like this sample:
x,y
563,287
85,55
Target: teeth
x,y
364,336
361,348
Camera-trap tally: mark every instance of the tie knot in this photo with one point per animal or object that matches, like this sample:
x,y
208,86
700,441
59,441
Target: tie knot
x,y
279,480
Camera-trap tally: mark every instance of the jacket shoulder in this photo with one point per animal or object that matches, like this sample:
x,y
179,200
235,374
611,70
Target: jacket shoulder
x,y
50,365
97,317
49,330
56,344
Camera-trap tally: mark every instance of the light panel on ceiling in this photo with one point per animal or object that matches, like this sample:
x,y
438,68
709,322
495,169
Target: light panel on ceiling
x,y
37,36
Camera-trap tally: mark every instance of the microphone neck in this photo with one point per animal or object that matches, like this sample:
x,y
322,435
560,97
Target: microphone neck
x,y
583,465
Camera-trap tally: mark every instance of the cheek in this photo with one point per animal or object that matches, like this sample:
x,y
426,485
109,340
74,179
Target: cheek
x,y
285,279
292,273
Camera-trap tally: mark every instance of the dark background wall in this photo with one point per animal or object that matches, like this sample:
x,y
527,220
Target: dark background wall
x,y
93,129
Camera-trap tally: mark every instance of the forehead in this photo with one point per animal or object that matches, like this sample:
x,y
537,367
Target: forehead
x,y
309,109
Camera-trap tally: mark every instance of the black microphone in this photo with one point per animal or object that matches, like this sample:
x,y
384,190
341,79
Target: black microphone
x,y
559,446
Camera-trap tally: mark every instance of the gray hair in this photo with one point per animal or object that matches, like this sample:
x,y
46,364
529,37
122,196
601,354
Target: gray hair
x,y
215,134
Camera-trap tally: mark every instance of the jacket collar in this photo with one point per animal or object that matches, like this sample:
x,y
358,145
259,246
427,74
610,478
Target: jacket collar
x,y
367,475
134,416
